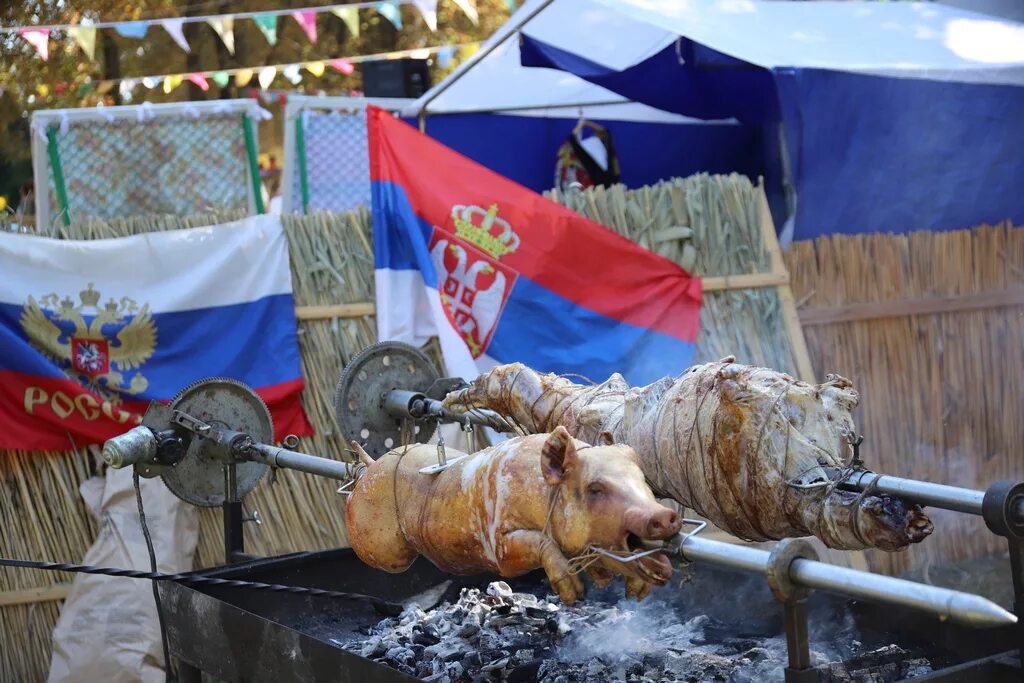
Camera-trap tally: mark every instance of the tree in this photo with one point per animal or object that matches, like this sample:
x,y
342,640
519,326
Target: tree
x,y
70,79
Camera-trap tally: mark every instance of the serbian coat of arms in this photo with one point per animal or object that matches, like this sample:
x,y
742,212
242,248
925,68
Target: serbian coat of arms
x,y
101,347
472,282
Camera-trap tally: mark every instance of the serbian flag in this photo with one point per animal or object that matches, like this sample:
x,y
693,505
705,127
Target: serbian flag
x,y
501,274
91,331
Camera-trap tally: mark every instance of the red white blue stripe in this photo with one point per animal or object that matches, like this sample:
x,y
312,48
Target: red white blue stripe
x,y
574,296
220,301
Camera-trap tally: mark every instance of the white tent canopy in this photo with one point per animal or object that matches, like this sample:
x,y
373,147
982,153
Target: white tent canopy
x,y
497,82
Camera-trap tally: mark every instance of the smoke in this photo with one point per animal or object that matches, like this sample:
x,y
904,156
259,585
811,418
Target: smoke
x,y
719,623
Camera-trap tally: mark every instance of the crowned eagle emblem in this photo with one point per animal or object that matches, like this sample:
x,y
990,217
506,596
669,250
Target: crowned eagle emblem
x,y
99,346
473,284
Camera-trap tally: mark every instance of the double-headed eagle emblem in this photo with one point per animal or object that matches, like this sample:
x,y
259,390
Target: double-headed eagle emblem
x,y
97,346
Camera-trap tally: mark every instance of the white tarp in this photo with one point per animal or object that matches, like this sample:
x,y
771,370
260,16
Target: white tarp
x,y
108,629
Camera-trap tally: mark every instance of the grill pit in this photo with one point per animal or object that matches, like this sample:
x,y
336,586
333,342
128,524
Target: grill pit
x,y
720,625
498,634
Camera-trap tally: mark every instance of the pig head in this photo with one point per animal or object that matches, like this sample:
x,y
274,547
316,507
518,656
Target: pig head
x,y
531,502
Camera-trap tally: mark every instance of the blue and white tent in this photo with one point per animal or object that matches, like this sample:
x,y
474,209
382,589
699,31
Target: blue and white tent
x,y
512,119
886,116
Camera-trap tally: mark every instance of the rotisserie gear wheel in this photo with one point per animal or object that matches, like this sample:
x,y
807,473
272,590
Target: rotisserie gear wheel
x,y
200,478
364,384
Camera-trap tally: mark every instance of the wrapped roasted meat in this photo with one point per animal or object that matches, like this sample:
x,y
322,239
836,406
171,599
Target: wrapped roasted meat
x,y
754,450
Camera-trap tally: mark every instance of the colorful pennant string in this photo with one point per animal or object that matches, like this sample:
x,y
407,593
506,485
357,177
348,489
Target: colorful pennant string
x,y
307,20
225,28
267,24
39,38
85,36
428,10
389,11
132,29
175,29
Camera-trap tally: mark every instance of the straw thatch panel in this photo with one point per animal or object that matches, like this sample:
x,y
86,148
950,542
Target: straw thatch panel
x,y
710,224
940,392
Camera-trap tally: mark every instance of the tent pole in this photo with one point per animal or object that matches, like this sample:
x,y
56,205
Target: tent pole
x,y
422,115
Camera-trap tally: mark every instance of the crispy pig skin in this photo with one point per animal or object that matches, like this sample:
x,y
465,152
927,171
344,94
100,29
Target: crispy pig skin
x,y
734,442
530,502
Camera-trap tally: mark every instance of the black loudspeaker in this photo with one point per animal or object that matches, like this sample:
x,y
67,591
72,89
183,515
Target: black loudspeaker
x,y
395,78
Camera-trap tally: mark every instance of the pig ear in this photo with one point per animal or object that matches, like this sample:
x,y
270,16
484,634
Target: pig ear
x,y
558,456
605,438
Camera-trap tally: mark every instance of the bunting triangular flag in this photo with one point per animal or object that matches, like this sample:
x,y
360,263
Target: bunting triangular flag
x,y
266,77
221,78
315,68
242,77
225,28
342,65
267,24
350,15
307,20
172,82
469,7
151,81
126,88
85,36
291,72
389,11
199,80
132,29
174,30
428,10
39,38
444,56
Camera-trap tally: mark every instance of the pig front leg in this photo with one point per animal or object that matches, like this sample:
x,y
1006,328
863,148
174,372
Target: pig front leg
x,y
522,550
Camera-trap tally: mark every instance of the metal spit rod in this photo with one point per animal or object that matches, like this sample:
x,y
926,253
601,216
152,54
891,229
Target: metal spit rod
x,y
293,460
921,492
403,404
964,608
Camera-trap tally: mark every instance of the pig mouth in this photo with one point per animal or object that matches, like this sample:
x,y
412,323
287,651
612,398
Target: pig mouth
x,y
656,568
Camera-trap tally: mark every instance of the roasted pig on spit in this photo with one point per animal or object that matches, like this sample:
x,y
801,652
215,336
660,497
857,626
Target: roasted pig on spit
x,y
536,501
755,451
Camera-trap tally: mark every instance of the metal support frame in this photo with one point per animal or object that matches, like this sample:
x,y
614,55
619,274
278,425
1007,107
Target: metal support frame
x,y
421,115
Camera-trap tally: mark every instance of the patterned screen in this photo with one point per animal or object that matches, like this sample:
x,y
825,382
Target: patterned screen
x,y
173,164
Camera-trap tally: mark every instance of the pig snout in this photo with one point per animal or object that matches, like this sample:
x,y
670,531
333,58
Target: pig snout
x,y
655,524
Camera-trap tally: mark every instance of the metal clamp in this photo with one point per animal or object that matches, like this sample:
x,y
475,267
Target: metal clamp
x,y
255,517
779,561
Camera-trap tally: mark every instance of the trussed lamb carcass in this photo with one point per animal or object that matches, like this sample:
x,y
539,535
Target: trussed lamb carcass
x,y
530,502
753,450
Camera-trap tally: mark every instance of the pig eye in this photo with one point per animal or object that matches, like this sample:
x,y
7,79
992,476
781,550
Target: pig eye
x,y
595,490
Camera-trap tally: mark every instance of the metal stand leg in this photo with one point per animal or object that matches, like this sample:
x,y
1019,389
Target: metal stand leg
x,y
799,669
1003,511
234,541
794,606
1017,567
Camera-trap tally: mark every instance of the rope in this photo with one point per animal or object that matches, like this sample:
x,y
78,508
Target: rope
x,y
382,606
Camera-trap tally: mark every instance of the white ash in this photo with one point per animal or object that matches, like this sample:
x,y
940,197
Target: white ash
x,y
498,635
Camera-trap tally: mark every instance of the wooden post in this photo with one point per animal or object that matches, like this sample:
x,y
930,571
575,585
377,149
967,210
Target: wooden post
x,y
790,318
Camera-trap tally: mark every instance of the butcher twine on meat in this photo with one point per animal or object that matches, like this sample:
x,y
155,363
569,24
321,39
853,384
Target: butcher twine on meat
x,y
756,451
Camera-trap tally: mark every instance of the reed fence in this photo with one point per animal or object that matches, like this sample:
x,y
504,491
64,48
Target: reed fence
x,y
930,328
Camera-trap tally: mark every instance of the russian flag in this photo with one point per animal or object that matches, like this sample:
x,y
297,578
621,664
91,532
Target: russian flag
x,y
501,274
92,331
